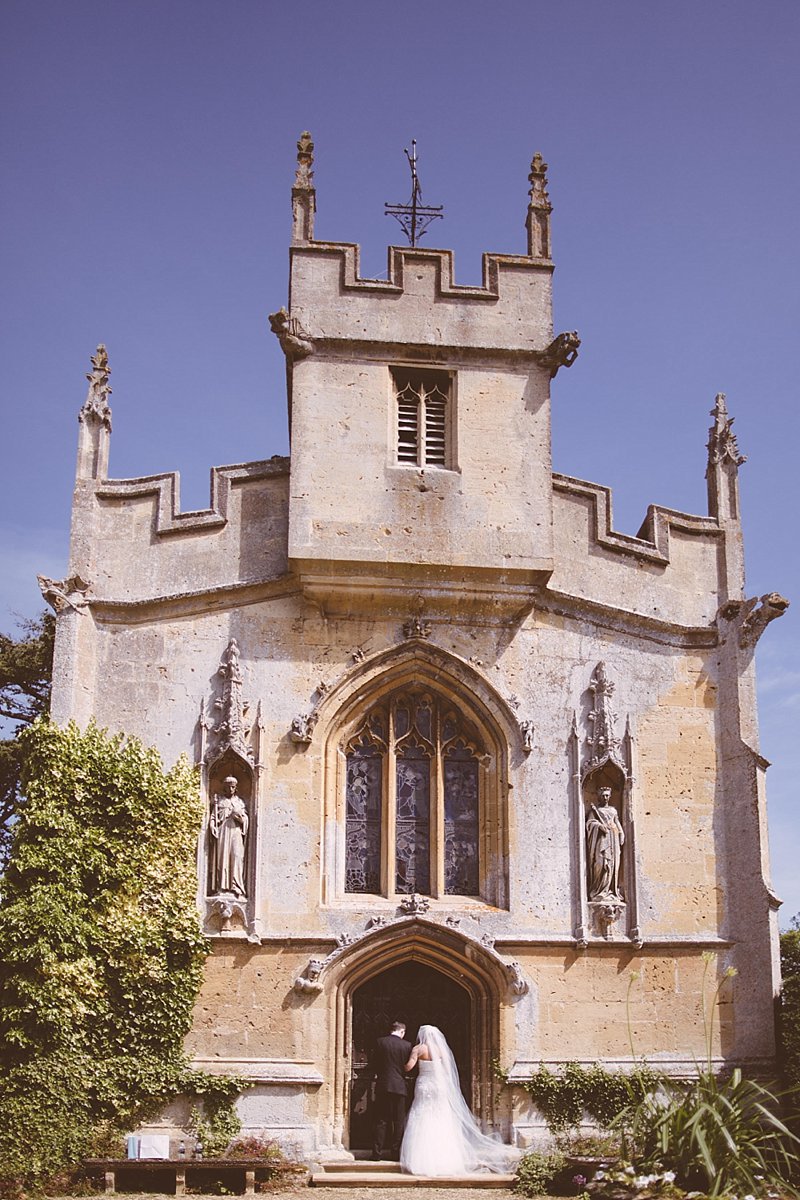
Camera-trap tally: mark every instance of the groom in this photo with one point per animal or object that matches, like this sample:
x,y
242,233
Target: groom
x,y
391,1092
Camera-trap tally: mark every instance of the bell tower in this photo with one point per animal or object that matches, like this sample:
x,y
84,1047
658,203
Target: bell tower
x,y
420,420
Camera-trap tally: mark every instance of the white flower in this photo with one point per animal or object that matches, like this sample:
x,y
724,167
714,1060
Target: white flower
x,y
599,1174
668,1177
748,1197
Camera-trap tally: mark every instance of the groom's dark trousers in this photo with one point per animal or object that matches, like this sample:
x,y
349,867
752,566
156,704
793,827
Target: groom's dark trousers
x,y
391,1092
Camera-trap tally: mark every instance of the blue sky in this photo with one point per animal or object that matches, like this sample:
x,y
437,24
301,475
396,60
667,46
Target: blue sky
x,y
148,149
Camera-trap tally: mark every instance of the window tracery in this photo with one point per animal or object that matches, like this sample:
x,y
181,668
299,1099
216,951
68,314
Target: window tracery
x,y
413,798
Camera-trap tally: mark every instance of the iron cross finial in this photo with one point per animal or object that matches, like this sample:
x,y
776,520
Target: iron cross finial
x,y
414,217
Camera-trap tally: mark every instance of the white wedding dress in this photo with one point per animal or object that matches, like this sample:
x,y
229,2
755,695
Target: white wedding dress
x,y
442,1137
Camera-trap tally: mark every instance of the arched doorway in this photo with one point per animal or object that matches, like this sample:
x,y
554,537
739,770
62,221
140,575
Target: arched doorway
x,y
418,994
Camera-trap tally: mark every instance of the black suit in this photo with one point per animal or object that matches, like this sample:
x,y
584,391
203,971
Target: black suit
x,y
391,1055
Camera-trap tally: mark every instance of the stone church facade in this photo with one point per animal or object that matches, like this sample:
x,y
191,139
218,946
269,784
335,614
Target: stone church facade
x,y
468,755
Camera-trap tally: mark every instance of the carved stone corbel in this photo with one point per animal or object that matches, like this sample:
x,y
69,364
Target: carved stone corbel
x,y
415,627
302,728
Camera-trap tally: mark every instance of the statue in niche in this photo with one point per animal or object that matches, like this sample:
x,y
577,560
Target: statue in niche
x,y
228,825
605,838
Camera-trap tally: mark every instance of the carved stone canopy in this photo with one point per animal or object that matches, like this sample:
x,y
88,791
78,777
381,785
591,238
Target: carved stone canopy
x,y
602,743
230,731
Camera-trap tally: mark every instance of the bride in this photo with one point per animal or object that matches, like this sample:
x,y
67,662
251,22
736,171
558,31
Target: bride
x,y
442,1137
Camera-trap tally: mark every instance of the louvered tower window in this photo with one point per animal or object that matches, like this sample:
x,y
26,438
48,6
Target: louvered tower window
x,y
423,418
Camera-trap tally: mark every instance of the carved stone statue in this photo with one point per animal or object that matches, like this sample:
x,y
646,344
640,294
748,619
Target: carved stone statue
x,y
562,352
228,825
604,840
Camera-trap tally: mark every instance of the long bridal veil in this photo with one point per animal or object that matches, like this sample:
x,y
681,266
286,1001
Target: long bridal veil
x,y
482,1151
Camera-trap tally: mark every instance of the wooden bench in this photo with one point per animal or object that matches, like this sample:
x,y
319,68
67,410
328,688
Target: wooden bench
x,y
183,1170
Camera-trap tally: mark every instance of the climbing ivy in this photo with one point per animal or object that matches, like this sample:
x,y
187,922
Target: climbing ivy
x,y
563,1096
101,946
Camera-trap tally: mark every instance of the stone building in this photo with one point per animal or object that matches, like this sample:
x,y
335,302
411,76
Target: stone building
x,y
468,754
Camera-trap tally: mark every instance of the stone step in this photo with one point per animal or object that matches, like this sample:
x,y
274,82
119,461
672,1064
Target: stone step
x,y
358,1176
361,1165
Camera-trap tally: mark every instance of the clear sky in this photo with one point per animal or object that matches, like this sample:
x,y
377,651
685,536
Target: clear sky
x,y
148,149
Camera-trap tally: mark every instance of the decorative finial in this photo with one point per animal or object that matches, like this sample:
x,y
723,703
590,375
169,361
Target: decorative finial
x,y
539,208
304,196
538,181
722,444
304,178
95,406
414,217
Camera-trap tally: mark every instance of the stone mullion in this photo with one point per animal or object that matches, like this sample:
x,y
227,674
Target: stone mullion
x,y
437,811
389,832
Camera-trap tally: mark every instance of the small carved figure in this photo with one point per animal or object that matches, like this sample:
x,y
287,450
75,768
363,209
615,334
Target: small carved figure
x,y
228,825
310,981
526,729
517,981
294,340
62,594
302,729
756,615
562,352
604,840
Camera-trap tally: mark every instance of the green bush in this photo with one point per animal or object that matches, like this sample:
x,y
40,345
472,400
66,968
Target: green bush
x,y
536,1173
789,1022
564,1096
718,1135
100,942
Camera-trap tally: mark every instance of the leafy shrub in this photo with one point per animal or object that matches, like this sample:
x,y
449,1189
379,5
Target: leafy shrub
x,y
789,1022
100,942
718,1135
564,1096
537,1172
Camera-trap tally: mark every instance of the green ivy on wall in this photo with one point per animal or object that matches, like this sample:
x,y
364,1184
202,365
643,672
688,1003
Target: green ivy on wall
x,y
101,947
564,1096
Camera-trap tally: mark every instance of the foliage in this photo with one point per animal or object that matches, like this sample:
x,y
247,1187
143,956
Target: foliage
x,y
624,1182
564,1096
716,1134
789,1021
26,665
720,1134
101,945
536,1173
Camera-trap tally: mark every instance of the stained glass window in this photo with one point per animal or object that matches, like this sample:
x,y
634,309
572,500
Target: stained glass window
x,y
414,762
461,823
413,826
363,819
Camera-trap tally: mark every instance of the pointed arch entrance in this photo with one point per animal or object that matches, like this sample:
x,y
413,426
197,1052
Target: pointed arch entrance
x,y
418,994
452,971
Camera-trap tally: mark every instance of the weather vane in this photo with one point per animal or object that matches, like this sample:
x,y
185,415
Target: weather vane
x,y
414,217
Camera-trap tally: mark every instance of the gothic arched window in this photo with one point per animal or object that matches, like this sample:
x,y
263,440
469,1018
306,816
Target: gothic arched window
x,y
413,798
